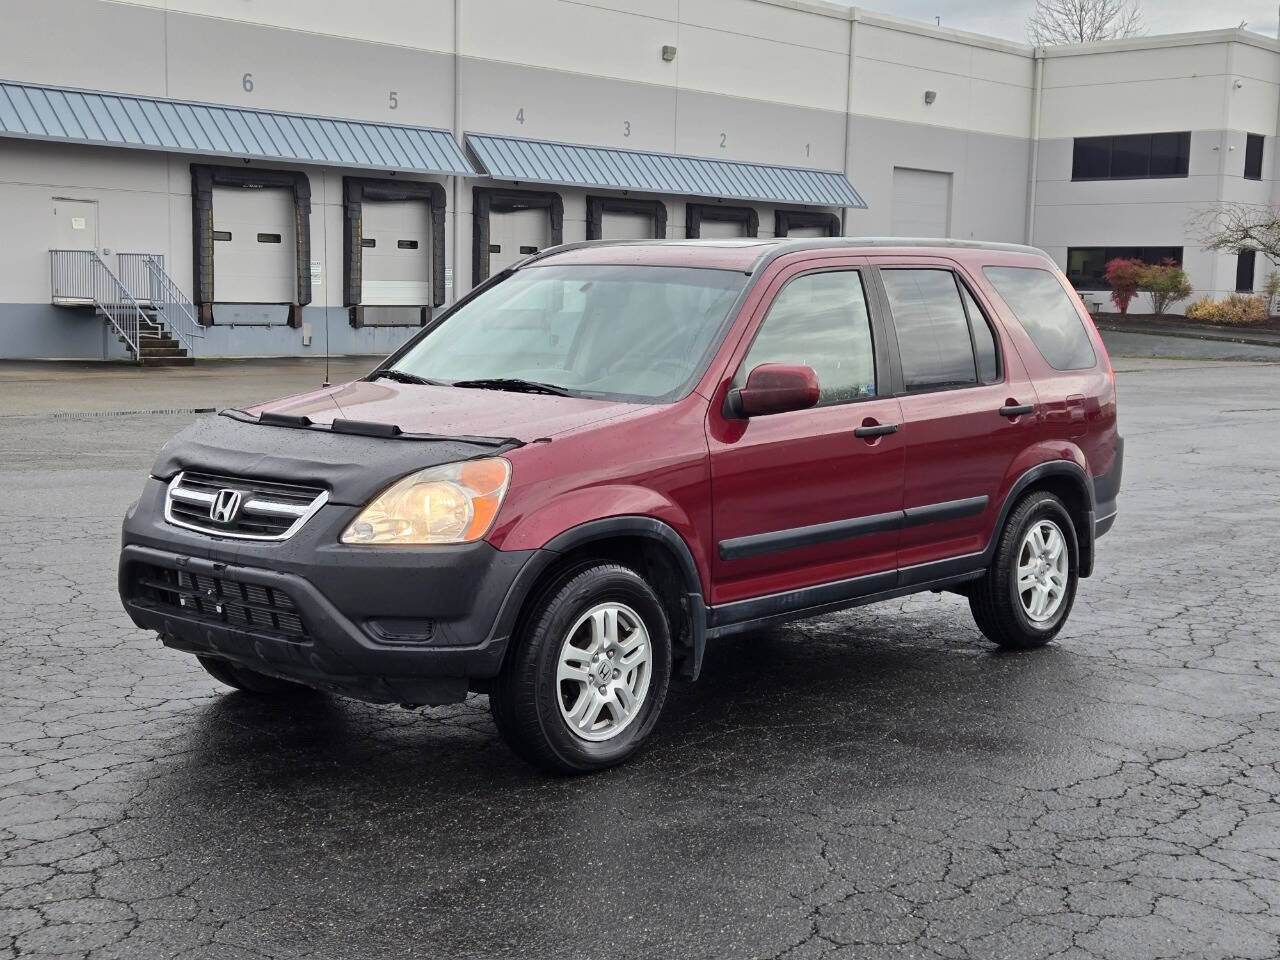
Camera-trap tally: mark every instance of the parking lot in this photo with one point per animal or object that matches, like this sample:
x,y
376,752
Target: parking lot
x,y
877,783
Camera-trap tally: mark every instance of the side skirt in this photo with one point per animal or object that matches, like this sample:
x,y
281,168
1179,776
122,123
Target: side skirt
x,y
730,618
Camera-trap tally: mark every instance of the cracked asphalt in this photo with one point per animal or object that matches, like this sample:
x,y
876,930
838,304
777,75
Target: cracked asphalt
x,y
872,784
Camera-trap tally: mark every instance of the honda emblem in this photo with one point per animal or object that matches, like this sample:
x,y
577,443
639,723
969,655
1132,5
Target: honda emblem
x,y
226,506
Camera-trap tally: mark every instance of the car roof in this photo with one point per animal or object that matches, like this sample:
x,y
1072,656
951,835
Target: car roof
x,y
750,253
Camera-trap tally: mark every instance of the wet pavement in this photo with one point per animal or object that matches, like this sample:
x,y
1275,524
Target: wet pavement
x,y
872,784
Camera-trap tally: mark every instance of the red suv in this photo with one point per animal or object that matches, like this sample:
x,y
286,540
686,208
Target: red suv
x,y
602,459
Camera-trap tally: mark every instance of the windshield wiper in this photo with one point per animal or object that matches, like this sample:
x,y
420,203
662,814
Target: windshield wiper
x,y
513,384
400,376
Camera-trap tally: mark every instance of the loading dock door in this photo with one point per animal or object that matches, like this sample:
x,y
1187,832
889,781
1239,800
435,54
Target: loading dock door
x,y
921,203
721,230
626,226
514,234
807,232
75,224
395,254
254,245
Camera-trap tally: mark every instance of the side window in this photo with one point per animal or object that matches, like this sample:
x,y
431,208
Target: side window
x,y
932,327
820,319
984,339
1049,316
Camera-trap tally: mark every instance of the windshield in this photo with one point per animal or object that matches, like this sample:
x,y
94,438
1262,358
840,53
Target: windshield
x,y
617,332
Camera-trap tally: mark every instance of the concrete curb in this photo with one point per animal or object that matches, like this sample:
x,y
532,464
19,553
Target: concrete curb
x,y
1187,332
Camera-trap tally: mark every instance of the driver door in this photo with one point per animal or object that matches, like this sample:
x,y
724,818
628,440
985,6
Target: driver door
x,y
800,499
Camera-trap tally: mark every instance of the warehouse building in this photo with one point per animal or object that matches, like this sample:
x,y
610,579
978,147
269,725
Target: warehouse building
x,y
276,178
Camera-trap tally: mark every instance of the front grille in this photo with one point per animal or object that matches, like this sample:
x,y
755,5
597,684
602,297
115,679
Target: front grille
x,y
241,508
247,606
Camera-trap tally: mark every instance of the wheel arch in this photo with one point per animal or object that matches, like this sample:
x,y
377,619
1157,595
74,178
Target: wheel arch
x,y
1068,481
653,545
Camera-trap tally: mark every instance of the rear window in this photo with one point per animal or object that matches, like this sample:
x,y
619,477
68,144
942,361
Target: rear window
x,y
1047,313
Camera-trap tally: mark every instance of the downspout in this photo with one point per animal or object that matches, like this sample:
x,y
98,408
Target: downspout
x,y
457,136
1224,143
848,117
1037,93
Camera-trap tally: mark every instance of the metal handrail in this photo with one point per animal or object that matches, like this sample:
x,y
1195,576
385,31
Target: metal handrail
x,y
132,270
82,277
172,305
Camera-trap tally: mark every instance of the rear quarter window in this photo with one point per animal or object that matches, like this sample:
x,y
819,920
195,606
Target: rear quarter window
x,y
1047,313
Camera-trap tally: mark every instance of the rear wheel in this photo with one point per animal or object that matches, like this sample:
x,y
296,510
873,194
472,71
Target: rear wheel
x,y
588,674
249,681
1027,594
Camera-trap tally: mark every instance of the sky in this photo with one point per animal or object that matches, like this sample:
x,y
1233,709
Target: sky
x,y
1007,18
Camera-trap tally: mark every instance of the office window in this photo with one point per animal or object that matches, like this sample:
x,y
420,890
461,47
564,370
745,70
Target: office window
x,y
1131,157
932,327
1087,266
1253,144
1246,261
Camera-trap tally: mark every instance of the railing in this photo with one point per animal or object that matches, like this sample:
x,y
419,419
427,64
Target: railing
x,y
133,272
81,278
172,305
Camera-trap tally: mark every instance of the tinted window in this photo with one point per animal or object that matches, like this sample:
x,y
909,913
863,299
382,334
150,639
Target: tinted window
x,y
1253,156
933,331
820,319
984,340
1131,156
1246,260
1086,266
1047,313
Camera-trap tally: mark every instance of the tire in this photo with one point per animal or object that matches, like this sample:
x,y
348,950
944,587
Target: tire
x,y
250,681
1009,617
534,697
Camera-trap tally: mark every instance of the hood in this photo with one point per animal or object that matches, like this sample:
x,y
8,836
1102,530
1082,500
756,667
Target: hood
x,y
449,411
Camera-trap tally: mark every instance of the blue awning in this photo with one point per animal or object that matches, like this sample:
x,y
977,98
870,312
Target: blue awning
x,y
541,161
177,126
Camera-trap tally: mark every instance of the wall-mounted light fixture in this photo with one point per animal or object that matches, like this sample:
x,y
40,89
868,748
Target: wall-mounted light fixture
x,y
668,52
929,97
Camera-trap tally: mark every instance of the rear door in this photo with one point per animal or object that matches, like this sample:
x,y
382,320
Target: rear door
x,y
798,498
968,410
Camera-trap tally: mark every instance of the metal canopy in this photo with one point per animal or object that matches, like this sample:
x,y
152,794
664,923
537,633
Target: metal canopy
x,y
149,123
541,161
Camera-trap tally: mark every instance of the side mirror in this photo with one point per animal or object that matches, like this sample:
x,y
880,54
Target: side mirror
x,y
773,388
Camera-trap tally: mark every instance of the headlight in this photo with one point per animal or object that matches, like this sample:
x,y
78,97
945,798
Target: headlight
x,y
454,503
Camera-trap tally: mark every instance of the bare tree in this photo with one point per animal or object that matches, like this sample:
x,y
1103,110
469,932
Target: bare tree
x,y
1081,21
1233,227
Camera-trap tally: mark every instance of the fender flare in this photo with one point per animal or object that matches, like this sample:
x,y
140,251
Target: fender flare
x,y
1041,471
604,529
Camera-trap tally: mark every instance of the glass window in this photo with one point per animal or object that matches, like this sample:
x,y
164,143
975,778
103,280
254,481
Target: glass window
x,y
625,332
1169,154
1253,144
1130,157
933,331
984,339
1245,263
1091,159
1087,266
820,320
1048,314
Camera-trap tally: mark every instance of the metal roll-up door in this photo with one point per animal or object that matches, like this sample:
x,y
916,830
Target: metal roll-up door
x,y
395,253
255,245
514,234
807,232
921,203
721,229
626,226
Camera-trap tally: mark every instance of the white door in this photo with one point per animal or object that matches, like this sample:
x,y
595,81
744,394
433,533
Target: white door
x,y
254,245
921,203
395,255
807,232
721,229
626,226
514,234
75,224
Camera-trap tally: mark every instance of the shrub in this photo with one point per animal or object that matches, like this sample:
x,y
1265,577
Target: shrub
x,y
1238,310
1124,277
1271,287
1167,283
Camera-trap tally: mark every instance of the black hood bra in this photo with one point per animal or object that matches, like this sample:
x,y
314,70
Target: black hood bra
x,y
352,459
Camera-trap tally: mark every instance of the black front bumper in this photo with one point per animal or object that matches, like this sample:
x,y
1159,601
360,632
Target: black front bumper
x,y
382,624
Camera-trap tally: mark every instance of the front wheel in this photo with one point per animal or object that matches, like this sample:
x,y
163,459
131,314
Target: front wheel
x,y
588,674
1029,589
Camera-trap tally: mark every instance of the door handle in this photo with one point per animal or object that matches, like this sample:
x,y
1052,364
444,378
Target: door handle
x,y
1017,409
875,430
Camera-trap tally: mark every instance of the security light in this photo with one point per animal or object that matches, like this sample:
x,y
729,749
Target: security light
x,y
668,52
930,96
